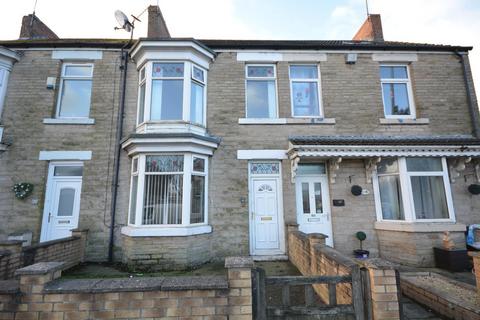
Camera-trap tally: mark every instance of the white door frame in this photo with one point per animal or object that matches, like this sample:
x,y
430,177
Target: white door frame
x,y
280,218
323,179
49,190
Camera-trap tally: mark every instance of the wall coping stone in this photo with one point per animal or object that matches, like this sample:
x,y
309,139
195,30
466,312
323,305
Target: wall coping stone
x,y
40,268
9,286
335,255
377,263
11,242
239,262
317,236
4,253
136,284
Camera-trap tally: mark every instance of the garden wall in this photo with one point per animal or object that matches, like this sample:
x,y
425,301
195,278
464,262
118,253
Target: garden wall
x,y
40,294
69,250
311,256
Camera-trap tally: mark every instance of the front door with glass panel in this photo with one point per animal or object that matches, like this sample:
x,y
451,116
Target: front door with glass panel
x,y
313,205
62,203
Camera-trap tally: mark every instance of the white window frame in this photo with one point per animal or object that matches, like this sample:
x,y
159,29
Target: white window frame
x,y
407,196
408,82
204,84
63,77
274,78
141,81
187,86
319,88
186,196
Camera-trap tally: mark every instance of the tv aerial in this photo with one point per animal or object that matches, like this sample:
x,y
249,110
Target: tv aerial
x,y
124,23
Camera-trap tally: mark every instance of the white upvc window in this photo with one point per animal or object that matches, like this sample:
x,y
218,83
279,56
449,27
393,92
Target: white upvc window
x,y
172,91
74,96
169,190
413,190
398,102
305,91
261,91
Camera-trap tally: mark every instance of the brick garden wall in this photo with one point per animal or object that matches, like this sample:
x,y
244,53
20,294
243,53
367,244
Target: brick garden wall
x,y
41,295
13,256
310,255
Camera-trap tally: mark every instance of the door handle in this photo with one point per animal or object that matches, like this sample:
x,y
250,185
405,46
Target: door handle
x,y
49,216
253,215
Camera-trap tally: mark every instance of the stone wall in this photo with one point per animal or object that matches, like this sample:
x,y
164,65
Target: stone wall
x,y
166,253
44,296
27,103
13,256
414,248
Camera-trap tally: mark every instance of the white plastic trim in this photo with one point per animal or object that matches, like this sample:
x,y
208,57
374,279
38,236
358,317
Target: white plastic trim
x,y
68,121
65,155
261,154
77,54
170,231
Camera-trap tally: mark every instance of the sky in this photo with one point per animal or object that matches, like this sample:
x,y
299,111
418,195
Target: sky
x,y
454,22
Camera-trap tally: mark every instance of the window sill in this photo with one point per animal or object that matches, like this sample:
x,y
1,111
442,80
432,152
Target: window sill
x,y
420,121
170,231
315,121
68,121
417,226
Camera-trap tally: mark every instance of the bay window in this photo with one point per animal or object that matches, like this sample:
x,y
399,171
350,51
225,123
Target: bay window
x,y
168,190
261,90
172,91
413,189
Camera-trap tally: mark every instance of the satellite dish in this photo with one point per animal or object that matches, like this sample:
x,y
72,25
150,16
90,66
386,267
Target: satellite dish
x,y
122,20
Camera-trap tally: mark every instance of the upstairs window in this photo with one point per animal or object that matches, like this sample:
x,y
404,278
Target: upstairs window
x,y
304,88
172,91
261,91
167,91
75,90
397,92
413,189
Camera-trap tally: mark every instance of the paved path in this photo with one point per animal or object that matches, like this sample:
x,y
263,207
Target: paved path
x,y
414,311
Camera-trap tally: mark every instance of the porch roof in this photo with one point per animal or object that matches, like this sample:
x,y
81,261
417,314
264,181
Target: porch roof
x,y
383,146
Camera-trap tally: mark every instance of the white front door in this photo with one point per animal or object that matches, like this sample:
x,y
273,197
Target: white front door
x,y
62,202
266,209
313,206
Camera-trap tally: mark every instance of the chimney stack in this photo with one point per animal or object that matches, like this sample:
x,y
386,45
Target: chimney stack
x,y
371,30
34,28
157,28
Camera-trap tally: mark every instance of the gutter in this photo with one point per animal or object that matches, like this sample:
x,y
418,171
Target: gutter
x,y
116,164
471,106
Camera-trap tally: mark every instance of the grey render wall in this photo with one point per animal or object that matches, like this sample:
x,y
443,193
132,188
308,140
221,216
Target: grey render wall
x,y
28,102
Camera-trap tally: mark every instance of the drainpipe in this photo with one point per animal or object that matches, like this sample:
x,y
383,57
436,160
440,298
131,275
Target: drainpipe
x,y
116,161
471,106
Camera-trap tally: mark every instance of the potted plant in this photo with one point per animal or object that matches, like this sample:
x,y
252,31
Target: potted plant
x,y
360,253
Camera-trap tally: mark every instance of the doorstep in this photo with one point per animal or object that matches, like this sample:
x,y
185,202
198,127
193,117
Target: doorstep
x,y
279,257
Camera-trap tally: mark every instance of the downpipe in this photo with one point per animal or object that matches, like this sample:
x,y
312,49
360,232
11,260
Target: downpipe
x,y
471,106
116,162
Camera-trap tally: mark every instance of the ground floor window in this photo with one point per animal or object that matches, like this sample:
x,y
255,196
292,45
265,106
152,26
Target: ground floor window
x,y
413,189
168,190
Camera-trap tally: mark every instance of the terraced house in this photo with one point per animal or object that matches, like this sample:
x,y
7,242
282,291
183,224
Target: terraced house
x,y
174,152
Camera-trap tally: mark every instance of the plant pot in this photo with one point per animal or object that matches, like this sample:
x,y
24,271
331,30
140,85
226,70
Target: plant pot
x,y
361,254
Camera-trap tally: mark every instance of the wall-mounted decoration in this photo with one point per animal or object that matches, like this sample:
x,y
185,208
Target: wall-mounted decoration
x,y
356,190
22,190
474,188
